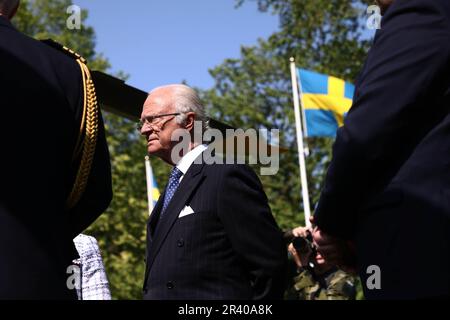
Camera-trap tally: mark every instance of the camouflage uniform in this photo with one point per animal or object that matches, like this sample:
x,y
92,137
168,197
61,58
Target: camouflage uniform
x,y
333,285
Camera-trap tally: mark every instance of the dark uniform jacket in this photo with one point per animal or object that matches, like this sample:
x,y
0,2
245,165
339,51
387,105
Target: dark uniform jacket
x,y
229,248
40,112
388,185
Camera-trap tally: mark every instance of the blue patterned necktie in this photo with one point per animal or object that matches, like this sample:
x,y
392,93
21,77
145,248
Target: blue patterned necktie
x,y
174,181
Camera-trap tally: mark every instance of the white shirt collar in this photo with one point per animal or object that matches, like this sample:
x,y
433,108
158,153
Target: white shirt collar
x,y
189,158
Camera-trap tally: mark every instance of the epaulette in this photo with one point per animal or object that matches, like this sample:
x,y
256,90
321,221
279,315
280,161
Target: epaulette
x,y
52,43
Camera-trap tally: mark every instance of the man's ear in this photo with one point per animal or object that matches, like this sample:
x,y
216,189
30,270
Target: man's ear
x,y
189,122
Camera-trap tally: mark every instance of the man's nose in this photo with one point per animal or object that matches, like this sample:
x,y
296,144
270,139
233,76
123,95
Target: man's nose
x,y
146,129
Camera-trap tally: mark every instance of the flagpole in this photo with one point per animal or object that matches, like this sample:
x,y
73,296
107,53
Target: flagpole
x,y
301,148
149,175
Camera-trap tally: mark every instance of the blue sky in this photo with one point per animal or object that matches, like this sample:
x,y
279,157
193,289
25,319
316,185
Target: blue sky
x,y
159,42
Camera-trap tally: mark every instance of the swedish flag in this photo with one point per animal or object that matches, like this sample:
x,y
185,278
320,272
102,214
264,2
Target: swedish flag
x,y
326,100
155,192
152,187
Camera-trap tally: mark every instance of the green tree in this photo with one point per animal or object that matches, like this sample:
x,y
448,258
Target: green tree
x,y
254,91
121,230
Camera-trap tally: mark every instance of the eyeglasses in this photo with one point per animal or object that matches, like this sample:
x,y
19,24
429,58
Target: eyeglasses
x,y
150,120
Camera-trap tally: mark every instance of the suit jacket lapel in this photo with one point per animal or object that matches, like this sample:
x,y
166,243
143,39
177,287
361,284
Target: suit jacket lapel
x,y
151,223
185,189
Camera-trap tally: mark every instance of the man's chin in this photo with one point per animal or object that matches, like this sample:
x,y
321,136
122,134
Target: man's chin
x,y
152,151
158,152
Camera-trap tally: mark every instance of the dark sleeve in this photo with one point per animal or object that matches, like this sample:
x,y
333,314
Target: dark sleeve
x,y
394,108
253,232
98,193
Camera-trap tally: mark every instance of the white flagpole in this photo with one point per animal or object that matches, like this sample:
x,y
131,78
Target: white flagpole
x,y
149,175
301,148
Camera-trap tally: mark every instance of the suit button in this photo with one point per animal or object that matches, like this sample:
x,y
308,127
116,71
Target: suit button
x,y
180,243
170,285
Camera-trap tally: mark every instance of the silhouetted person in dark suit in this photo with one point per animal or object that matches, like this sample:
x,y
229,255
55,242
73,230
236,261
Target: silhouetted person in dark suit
x,y
385,204
54,168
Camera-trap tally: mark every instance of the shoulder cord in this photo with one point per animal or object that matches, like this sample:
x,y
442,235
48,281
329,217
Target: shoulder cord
x,y
87,138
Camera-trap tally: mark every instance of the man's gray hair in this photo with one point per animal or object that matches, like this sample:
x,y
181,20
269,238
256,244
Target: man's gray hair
x,y
185,100
7,6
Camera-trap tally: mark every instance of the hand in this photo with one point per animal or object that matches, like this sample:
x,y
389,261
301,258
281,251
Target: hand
x,y
327,246
335,251
300,260
301,232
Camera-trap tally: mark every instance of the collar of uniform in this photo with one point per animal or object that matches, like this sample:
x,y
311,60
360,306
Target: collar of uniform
x,y
190,157
5,22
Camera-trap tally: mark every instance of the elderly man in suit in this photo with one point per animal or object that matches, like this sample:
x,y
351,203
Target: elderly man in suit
x,y
50,189
385,207
211,234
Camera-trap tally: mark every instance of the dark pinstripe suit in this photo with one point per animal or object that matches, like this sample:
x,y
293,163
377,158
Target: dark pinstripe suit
x,y
230,248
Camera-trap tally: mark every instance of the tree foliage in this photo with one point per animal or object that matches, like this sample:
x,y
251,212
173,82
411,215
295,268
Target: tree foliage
x,y
254,90
121,230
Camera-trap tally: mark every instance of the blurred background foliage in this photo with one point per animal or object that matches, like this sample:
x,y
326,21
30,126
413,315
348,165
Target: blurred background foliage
x,y
251,91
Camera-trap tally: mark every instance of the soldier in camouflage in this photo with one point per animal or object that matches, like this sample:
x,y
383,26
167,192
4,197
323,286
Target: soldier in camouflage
x,y
317,282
